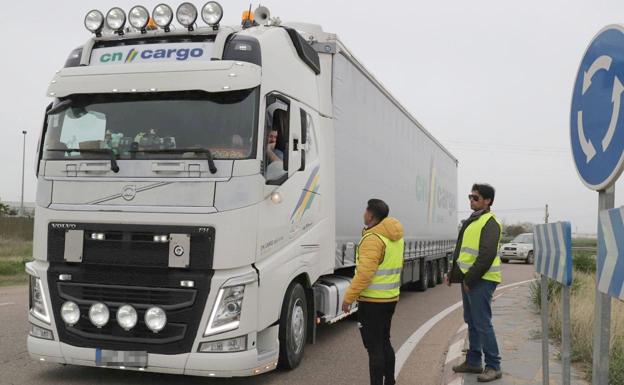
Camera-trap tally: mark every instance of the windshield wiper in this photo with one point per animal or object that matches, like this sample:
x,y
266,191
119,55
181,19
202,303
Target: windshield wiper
x,y
196,150
113,158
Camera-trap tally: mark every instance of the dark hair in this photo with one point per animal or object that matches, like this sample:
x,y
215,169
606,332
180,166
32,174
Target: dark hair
x,y
378,208
486,191
280,124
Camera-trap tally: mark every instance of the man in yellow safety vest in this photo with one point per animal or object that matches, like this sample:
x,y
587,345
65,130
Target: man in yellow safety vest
x,y
477,266
376,284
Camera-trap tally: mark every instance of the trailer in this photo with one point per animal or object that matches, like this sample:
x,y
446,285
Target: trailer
x,y
201,188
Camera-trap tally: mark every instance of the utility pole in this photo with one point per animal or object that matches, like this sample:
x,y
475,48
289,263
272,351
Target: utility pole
x,y
544,310
21,210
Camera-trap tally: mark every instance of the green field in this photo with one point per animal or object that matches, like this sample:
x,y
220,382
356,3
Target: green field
x,y
15,249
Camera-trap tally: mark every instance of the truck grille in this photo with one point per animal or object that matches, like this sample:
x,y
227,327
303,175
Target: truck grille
x,y
130,268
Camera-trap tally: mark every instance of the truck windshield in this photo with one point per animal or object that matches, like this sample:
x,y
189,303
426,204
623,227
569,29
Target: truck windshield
x,y
154,125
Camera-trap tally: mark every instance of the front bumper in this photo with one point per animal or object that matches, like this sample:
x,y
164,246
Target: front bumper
x,y
247,363
516,255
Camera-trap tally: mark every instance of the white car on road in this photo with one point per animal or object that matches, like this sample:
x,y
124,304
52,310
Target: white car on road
x,y
520,248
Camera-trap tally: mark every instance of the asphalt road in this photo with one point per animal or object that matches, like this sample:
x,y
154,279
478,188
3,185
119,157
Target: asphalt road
x,y
338,357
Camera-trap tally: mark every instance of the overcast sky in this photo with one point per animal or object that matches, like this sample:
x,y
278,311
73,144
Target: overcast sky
x,y
492,80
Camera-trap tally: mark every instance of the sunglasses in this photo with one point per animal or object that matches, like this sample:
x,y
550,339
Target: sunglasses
x,y
474,197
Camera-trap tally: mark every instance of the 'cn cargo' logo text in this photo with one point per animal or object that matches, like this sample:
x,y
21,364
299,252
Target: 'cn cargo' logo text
x,y
152,54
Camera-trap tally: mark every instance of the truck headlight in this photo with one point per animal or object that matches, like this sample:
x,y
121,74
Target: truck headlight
x,y
162,15
116,19
127,317
155,319
226,312
138,17
70,313
94,21
212,13
186,14
99,314
38,306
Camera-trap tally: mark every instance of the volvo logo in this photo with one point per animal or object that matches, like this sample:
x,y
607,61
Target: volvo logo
x,y
63,225
128,192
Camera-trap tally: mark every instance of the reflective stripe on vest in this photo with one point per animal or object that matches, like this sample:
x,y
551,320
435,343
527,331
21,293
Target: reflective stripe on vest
x,y
469,250
386,282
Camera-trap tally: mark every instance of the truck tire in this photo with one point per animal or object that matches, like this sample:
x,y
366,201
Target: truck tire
x,y
530,258
440,275
433,273
293,327
423,281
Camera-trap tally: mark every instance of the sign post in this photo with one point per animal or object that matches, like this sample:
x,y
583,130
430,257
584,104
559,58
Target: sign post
x,y
597,139
552,244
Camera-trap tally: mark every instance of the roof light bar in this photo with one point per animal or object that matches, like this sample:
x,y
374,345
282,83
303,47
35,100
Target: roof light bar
x,y
162,15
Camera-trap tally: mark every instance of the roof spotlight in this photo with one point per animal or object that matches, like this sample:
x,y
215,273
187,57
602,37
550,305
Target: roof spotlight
x,y
116,20
162,15
187,15
94,22
212,14
139,17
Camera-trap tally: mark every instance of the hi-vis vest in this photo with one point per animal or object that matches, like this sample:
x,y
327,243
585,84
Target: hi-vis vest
x,y
387,280
470,249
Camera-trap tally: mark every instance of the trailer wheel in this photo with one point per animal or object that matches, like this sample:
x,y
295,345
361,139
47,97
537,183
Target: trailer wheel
x,y
293,327
433,272
440,271
423,281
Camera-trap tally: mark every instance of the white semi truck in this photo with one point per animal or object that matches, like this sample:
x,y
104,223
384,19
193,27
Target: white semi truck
x,y
201,190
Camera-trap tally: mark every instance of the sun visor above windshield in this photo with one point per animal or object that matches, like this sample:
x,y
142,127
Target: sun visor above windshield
x,y
209,76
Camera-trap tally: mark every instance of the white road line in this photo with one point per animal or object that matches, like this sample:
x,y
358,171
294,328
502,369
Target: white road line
x,y
455,351
457,381
462,328
410,344
7,303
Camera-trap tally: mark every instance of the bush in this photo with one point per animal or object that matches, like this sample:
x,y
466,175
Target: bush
x,y
584,261
12,267
554,288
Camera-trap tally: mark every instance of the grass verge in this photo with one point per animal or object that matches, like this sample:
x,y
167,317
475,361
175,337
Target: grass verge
x,y
582,319
14,253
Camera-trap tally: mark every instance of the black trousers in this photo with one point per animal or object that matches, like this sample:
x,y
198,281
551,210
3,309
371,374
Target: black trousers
x,y
375,320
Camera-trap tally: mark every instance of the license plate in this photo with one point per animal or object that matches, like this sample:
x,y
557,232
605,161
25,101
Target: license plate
x,y
120,358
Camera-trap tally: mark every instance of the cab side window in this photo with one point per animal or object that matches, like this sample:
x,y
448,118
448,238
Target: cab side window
x,y
277,132
308,137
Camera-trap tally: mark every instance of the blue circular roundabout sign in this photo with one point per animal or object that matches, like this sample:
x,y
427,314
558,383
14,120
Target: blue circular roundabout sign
x,y
596,117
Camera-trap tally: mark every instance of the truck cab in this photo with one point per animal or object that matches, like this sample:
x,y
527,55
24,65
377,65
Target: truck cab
x,y
164,227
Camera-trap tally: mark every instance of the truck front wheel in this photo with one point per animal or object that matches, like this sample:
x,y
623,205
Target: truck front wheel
x,y
293,326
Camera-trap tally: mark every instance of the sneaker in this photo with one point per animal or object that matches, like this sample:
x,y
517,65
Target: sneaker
x,y
489,375
467,368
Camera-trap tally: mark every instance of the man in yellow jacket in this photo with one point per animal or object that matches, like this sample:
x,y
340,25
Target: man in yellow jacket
x,y
376,284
